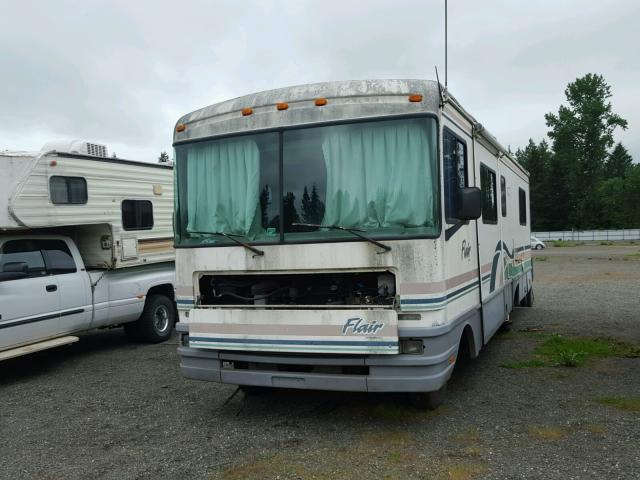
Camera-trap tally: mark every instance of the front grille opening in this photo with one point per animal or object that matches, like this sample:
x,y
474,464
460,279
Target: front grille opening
x,y
282,367
325,289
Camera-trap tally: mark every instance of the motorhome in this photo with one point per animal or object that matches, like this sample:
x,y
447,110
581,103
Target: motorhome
x,y
353,235
85,242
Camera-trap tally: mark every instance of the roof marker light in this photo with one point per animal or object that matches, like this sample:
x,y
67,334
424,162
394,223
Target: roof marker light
x,y
247,111
282,106
181,127
415,97
320,102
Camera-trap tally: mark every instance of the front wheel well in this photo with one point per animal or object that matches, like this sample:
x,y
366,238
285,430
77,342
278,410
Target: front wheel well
x,y
165,289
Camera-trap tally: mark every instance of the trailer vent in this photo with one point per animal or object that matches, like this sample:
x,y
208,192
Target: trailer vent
x,y
96,150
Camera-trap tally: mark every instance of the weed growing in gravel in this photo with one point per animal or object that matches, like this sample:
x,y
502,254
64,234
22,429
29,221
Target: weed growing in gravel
x,y
565,243
629,404
632,256
541,259
548,433
558,350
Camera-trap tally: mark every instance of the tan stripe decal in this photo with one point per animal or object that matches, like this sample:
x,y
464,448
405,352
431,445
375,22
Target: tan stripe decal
x,y
437,287
155,245
283,329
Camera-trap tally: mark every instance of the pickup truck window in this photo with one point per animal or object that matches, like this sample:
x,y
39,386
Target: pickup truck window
x,y
22,256
68,190
57,257
137,215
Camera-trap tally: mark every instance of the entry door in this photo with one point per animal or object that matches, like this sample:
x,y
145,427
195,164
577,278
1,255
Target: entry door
x,y
29,297
73,286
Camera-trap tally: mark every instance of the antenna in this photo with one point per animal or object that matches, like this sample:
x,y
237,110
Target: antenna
x,y
445,44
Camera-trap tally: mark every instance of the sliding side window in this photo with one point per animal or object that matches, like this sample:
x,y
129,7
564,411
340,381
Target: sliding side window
x,y
489,195
68,190
503,195
137,215
455,173
522,197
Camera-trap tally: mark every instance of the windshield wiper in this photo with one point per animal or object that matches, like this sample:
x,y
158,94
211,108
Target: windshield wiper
x,y
231,236
355,231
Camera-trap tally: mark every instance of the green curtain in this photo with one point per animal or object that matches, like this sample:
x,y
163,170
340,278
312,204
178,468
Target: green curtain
x,y
222,179
380,175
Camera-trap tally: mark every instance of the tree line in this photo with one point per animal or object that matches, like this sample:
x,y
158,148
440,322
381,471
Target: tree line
x,y
581,179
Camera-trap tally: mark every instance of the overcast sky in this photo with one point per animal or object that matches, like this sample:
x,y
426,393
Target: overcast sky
x,y
122,72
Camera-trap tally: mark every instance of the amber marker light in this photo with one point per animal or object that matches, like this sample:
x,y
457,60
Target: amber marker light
x,y
282,106
247,111
181,128
321,102
415,98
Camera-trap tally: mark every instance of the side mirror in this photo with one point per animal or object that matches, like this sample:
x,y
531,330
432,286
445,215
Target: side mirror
x,y
470,203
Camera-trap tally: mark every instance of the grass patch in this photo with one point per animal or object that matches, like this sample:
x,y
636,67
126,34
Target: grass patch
x,y
632,256
549,433
557,350
606,243
566,243
541,259
629,404
597,429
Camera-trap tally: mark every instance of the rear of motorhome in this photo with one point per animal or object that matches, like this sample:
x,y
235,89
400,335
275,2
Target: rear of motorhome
x,y
85,242
356,236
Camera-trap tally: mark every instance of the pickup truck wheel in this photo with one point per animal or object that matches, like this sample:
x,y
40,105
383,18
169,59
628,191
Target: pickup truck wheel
x,y
427,400
156,322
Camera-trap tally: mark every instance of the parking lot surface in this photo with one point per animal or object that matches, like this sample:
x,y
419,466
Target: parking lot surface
x,y
109,409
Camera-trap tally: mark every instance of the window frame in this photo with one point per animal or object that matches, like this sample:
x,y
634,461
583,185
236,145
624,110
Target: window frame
x,y
66,179
503,195
446,130
382,118
495,195
48,261
522,206
141,200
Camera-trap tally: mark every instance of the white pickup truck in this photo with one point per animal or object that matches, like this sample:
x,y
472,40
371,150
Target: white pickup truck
x,y
47,294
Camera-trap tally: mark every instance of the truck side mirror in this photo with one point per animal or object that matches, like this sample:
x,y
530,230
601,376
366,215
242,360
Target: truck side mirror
x,y
470,203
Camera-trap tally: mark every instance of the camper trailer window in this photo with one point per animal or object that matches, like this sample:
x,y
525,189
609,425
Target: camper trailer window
x,y
503,196
455,173
58,257
68,190
26,252
489,195
522,197
137,215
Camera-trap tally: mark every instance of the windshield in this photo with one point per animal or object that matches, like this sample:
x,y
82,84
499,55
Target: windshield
x,y
379,177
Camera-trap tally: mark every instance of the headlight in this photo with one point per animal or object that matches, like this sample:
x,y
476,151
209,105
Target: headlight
x,y
411,347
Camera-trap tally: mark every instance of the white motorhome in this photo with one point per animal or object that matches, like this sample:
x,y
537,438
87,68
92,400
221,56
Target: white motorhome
x,y
86,241
356,235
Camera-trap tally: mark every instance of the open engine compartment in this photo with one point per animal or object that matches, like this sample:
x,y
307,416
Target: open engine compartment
x,y
317,289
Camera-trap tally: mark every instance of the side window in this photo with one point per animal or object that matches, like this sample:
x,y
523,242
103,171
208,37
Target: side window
x,y
21,259
137,214
503,196
522,197
68,190
455,173
58,258
489,195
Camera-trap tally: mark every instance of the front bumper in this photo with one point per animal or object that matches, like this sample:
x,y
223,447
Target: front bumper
x,y
376,373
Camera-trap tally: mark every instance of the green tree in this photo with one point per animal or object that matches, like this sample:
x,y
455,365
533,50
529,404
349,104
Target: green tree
x,y
582,134
618,163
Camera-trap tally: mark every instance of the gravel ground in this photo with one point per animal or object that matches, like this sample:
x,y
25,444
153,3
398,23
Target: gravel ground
x,y
107,408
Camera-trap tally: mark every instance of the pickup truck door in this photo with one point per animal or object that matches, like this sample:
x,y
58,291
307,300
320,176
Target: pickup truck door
x,y
29,296
73,284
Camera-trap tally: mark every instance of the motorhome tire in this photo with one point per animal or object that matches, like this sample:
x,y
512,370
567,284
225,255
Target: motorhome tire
x,y
428,400
156,322
527,301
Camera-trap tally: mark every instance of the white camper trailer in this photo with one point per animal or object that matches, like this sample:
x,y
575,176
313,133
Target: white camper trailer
x,y
86,241
356,236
